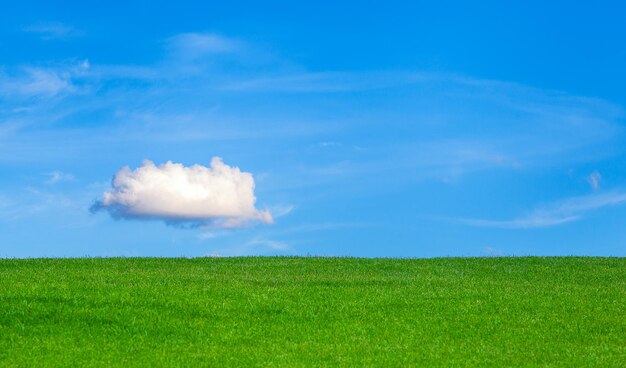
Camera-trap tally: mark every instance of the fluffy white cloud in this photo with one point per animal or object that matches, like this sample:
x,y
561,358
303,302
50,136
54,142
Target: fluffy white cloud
x,y
218,195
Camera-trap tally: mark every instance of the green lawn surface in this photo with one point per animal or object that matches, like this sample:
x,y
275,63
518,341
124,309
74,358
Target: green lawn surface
x,y
290,312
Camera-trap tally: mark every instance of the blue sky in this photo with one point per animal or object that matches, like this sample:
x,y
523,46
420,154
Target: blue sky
x,y
393,129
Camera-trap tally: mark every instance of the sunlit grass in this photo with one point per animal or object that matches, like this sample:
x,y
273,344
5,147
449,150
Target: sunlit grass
x,y
313,311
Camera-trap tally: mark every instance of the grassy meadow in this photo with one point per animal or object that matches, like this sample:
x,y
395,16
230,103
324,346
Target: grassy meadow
x,y
284,311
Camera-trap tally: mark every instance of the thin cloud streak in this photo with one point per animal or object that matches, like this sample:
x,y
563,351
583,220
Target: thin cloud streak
x,y
52,31
42,82
58,176
562,212
594,179
192,45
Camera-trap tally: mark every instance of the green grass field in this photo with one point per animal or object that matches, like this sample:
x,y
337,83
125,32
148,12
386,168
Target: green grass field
x,y
532,311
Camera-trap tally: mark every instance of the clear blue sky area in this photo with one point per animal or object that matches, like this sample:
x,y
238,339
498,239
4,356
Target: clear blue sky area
x,y
391,129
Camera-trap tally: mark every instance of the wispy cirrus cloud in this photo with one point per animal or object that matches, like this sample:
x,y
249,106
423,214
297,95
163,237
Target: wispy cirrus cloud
x,y
57,177
328,81
31,202
53,30
557,213
37,82
192,45
260,241
42,81
257,245
594,179
429,133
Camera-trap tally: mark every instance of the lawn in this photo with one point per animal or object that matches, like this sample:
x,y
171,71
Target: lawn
x,y
285,311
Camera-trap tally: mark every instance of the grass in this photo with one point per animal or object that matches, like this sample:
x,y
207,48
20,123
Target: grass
x,y
531,311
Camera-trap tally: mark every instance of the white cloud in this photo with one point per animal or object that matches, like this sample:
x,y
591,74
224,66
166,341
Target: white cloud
x,y
219,195
594,180
569,210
